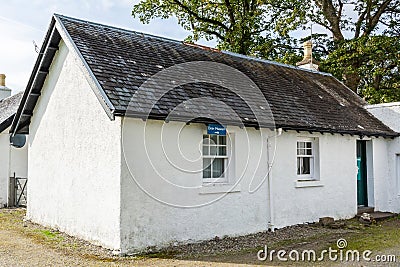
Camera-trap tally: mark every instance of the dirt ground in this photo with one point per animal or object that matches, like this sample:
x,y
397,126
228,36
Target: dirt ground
x,y
27,244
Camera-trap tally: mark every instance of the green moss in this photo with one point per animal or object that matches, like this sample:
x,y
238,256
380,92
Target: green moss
x,y
50,235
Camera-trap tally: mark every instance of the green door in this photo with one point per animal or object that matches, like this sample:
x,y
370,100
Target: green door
x,y
362,198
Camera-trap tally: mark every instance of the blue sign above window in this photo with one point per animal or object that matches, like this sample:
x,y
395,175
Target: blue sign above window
x,y
216,129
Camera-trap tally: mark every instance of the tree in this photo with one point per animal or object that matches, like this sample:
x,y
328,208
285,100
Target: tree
x,y
375,60
355,19
262,28
242,26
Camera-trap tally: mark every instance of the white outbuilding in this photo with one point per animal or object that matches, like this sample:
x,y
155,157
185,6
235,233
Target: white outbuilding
x,y
13,152
138,141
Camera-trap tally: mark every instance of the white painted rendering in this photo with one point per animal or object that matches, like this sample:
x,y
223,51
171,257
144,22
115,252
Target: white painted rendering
x,y
12,160
4,167
388,113
385,165
387,196
74,158
148,222
370,173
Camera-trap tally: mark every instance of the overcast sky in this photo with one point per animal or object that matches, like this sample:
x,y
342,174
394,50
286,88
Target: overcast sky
x,y
23,21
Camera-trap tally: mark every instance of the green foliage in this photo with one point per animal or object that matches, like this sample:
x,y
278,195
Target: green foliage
x,y
374,60
368,63
248,27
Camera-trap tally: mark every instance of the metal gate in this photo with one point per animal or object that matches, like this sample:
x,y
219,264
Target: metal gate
x,y
17,197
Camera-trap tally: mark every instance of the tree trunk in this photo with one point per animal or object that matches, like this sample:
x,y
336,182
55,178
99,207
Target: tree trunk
x,y
351,80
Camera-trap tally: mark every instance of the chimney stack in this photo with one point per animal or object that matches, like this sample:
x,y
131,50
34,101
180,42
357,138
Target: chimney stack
x,y
308,62
4,91
2,80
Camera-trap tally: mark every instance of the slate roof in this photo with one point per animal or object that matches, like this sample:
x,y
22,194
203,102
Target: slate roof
x,y
120,61
8,108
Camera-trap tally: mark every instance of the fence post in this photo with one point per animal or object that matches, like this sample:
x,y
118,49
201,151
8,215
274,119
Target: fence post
x,y
12,196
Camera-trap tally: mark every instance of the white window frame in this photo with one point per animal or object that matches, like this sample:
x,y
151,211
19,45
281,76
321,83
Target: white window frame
x,y
221,180
313,160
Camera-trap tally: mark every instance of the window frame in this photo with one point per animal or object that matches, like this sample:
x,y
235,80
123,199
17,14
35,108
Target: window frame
x,y
225,178
313,158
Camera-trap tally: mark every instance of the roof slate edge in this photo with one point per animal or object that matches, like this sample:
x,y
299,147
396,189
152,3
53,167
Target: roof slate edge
x,y
7,123
90,77
28,89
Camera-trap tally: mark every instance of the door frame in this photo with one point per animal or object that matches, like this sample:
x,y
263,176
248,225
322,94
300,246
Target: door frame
x,y
362,175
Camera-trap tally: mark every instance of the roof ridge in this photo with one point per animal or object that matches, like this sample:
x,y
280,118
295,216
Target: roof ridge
x,y
229,53
119,28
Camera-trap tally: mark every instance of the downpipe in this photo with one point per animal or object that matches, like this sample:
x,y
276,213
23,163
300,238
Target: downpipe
x,y
270,161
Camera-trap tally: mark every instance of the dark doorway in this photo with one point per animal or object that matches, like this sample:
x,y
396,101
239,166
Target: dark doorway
x,y
362,197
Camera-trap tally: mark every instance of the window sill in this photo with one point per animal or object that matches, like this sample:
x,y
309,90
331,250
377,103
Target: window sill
x,y
308,183
219,188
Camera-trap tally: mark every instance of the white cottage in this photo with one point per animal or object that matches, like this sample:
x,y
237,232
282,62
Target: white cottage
x,y
13,158
139,141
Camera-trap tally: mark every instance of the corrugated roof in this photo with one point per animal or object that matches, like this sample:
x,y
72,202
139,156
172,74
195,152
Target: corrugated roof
x,y
121,61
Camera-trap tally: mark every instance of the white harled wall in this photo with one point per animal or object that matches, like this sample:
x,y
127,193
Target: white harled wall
x,y
4,167
387,159
12,160
147,221
335,194
74,158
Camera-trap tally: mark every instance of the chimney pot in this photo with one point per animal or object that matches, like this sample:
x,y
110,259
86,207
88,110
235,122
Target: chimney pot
x,y
307,49
308,62
2,80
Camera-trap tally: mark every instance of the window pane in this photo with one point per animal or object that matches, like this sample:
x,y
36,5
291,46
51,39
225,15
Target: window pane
x,y
213,150
214,138
222,140
305,166
309,144
222,151
206,168
218,168
206,151
206,140
299,160
300,145
309,151
301,152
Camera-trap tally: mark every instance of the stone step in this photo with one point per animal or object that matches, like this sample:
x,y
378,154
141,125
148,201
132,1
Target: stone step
x,y
379,215
362,210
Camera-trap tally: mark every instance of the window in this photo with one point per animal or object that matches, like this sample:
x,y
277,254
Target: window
x,y
215,158
306,159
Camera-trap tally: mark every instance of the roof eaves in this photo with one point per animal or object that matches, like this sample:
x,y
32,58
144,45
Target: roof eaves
x,y
360,133
91,79
7,123
40,61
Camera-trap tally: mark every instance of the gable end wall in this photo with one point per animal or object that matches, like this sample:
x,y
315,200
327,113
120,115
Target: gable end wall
x,y
74,157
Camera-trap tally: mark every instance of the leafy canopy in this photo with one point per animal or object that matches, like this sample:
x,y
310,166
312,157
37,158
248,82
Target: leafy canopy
x,y
361,49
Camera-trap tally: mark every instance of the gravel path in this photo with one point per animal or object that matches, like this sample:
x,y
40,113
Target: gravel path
x,y
29,244
18,250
